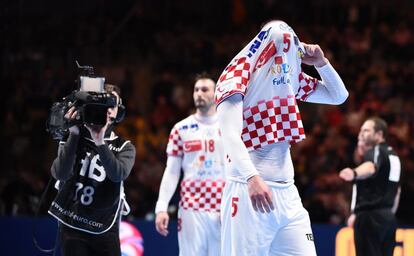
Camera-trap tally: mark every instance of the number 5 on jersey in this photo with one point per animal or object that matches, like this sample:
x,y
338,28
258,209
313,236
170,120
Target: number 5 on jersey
x,y
234,201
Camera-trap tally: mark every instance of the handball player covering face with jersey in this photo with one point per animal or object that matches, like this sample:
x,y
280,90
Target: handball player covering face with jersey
x,y
262,213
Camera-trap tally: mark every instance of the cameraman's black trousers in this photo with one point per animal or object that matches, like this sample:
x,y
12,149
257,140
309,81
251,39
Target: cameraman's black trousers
x,y
374,232
79,243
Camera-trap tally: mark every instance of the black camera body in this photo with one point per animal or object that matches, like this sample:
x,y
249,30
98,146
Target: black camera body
x,y
90,101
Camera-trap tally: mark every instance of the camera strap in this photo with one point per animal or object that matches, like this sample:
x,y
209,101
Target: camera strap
x,y
34,225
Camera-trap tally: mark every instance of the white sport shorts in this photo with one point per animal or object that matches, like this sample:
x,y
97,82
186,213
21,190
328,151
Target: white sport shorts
x,y
284,231
198,233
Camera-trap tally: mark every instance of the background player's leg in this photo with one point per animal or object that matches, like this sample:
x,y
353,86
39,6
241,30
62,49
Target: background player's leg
x,y
191,233
214,233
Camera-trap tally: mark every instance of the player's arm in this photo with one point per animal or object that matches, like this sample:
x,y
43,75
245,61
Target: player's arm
x,y
329,90
230,113
168,186
117,167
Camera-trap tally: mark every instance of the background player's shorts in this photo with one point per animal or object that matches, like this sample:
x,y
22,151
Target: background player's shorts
x,y
198,233
284,231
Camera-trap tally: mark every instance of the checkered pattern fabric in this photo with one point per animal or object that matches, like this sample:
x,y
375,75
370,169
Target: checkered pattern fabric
x,y
307,85
175,143
201,195
271,121
234,79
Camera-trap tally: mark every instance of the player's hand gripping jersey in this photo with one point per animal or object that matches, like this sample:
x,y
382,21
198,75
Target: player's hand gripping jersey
x,y
202,163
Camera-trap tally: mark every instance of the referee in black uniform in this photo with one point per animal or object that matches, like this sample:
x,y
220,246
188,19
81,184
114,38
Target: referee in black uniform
x,y
376,191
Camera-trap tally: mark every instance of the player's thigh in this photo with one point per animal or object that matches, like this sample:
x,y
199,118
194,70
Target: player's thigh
x,y
214,233
191,235
244,231
296,238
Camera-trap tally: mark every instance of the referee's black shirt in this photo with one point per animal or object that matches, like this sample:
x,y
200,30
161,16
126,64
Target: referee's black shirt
x,y
379,190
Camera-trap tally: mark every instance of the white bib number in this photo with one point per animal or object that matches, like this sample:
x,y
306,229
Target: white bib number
x,y
100,175
87,192
95,172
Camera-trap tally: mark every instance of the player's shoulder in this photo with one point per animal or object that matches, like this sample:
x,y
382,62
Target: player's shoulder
x,y
189,122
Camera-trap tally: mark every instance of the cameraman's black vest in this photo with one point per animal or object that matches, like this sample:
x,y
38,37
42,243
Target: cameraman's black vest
x,y
89,201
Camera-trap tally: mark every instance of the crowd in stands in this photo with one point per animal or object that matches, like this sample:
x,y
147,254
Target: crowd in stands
x,y
153,50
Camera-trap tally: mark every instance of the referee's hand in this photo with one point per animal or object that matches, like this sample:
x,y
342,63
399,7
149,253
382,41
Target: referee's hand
x,y
161,223
260,194
347,174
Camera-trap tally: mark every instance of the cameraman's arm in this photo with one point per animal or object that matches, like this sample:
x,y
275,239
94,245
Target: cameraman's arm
x,y
62,167
117,168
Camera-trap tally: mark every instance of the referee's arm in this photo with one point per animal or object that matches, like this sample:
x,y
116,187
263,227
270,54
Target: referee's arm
x,y
365,170
362,171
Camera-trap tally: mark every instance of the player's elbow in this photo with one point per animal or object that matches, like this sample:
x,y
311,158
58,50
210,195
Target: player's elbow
x,y
341,97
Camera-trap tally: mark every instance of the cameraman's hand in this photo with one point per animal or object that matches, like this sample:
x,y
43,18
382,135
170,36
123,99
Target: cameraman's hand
x,y
97,133
71,115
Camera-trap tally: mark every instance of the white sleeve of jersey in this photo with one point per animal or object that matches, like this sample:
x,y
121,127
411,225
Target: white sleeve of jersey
x,y
168,183
230,116
331,90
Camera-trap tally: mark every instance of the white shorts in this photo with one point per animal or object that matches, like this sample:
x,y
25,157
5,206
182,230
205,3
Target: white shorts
x,y
198,233
284,231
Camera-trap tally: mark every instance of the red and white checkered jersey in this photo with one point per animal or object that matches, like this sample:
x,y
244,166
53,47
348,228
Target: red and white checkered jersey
x,y
267,72
199,145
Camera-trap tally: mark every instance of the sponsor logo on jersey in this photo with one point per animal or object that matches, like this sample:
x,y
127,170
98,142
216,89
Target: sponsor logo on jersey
x,y
258,41
208,163
285,27
191,127
279,68
113,148
192,145
265,55
309,237
209,132
281,81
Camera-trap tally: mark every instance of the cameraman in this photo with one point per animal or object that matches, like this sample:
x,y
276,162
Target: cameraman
x,y
90,168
